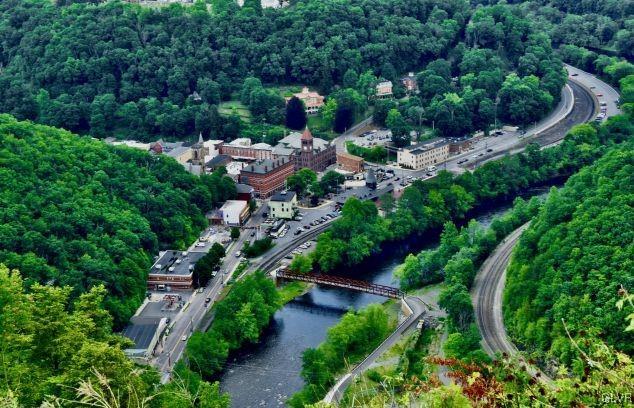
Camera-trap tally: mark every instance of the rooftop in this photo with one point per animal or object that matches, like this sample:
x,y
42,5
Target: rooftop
x,y
219,160
294,141
285,196
233,205
427,145
265,166
243,188
175,263
142,330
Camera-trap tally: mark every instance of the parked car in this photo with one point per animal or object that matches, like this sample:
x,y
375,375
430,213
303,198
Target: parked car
x,y
184,338
238,254
297,232
489,150
207,300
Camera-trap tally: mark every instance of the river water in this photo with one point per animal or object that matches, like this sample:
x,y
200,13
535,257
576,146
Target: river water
x,y
268,373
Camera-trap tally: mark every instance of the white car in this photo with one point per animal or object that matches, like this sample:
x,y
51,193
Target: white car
x,y
184,338
200,245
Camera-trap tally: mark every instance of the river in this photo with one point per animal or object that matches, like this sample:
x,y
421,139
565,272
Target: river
x,y
268,373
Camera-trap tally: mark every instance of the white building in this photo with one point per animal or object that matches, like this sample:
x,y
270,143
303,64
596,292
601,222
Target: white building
x,y
384,89
234,212
283,205
424,154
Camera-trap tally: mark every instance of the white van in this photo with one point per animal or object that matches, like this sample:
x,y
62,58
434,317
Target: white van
x,y
431,168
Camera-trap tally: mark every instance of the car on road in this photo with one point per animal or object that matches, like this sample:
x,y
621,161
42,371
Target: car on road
x,y
238,254
489,150
574,74
213,274
252,234
200,245
599,95
207,300
429,174
498,132
297,232
307,227
463,161
184,338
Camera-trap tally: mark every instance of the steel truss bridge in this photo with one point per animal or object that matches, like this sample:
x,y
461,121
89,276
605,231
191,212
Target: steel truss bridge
x,y
339,282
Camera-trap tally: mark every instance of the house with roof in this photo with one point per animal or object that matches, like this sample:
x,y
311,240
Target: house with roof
x,y
283,205
311,99
384,90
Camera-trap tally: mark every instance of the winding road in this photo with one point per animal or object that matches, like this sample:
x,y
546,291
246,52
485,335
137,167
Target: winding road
x,y
488,288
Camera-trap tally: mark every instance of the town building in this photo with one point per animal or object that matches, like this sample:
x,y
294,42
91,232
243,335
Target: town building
x,y
283,205
409,82
221,160
145,332
384,90
234,212
312,100
349,162
307,151
242,149
173,270
267,176
457,146
244,192
424,154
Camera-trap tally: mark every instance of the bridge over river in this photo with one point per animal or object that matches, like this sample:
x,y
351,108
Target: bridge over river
x,y
339,282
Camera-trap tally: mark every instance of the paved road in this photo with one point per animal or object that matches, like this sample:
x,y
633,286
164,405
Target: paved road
x,y
417,308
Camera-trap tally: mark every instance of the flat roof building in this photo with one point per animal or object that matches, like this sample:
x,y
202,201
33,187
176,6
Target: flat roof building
x,y
145,332
173,270
234,212
424,154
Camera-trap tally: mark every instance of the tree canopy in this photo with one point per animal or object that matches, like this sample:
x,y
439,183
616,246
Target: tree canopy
x,y
572,261
77,212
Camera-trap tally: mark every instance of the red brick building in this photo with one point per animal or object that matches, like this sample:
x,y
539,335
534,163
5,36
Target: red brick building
x,y
349,162
307,151
267,176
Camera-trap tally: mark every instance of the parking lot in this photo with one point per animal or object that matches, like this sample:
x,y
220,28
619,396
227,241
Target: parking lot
x,y
377,137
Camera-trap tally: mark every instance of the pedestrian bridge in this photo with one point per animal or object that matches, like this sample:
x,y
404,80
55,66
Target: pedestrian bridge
x,y
339,282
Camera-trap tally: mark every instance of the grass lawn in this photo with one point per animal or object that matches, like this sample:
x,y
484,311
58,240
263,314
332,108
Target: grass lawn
x,y
227,108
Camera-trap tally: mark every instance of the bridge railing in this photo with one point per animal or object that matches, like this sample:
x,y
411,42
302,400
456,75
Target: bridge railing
x,y
340,282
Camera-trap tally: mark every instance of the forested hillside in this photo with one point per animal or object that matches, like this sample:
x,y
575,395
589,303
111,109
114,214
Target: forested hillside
x,y
63,352
120,69
77,212
573,260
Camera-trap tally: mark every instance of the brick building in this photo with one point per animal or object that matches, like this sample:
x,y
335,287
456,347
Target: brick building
x,y
173,271
308,151
349,162
267,176
244,150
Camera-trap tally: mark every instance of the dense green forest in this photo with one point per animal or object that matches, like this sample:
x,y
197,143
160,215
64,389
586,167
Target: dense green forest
x,y
426,206
77,212
63,352
124,70
572,261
